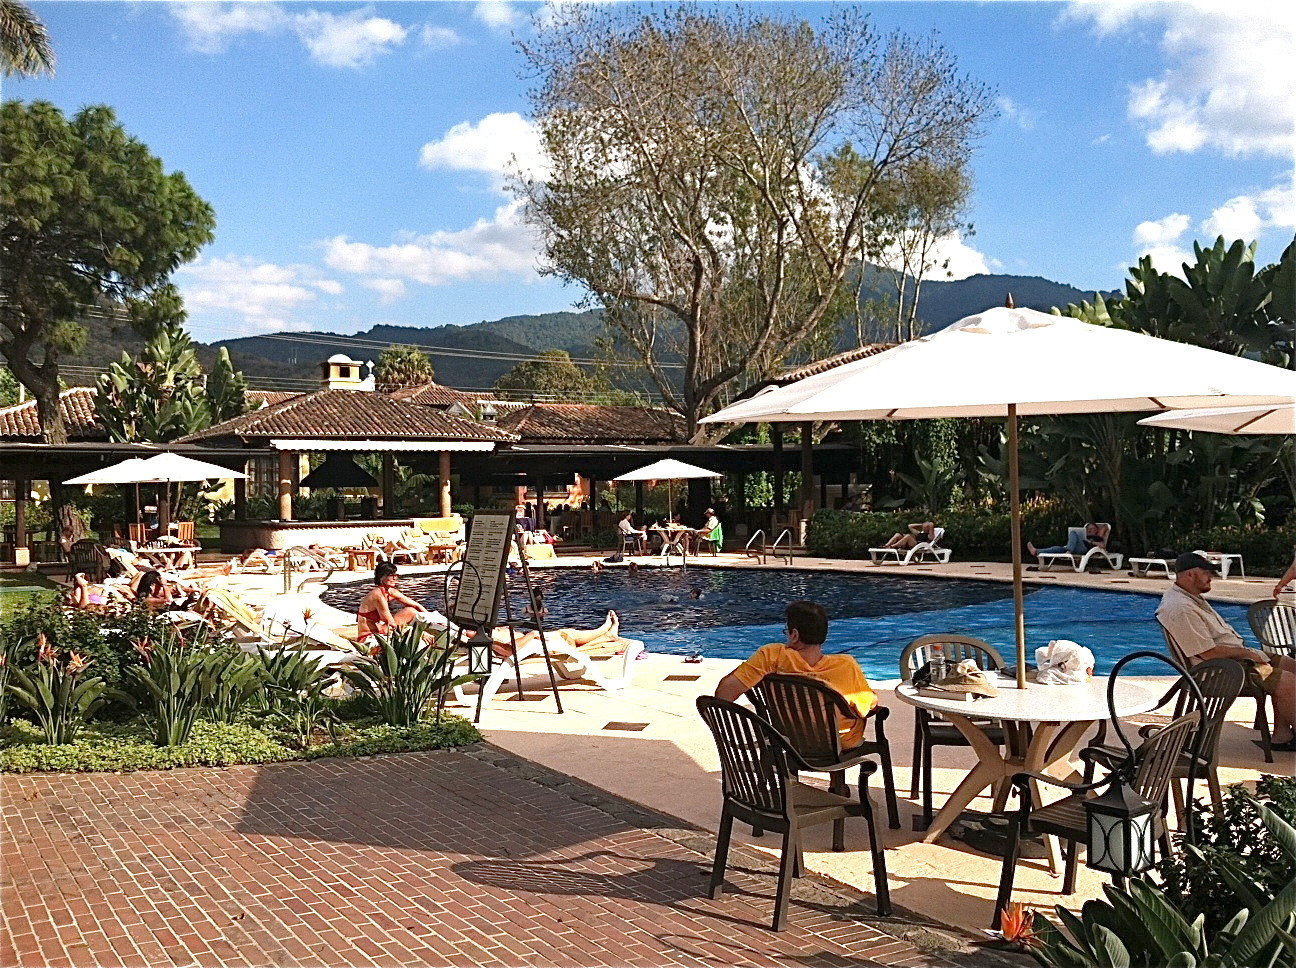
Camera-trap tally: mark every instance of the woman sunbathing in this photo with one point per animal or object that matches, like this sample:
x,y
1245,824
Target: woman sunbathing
x,y
97,596
923,531
374,613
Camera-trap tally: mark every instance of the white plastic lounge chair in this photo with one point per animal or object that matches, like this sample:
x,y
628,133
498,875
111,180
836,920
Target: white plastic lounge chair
x,y
1049,558
569,662
920,551
305,616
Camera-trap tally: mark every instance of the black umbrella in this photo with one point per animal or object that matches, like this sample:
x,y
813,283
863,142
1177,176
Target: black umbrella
x,y
339,470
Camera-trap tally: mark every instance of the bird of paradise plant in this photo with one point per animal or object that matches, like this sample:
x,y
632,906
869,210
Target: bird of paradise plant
x,y
58,693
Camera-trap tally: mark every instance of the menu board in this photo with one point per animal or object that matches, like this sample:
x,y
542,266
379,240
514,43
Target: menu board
x,y
482,578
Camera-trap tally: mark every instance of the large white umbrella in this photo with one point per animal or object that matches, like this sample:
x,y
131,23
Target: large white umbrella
x,y
1004,362
125,472
1229,420
667,470
164,468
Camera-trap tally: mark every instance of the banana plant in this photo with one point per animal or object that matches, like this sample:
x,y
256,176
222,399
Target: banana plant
x,y
1144,929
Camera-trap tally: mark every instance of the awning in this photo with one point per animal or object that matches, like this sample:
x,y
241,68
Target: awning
x,y
419,446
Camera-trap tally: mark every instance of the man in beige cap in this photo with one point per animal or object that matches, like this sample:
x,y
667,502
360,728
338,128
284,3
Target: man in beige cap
x,y
1202,634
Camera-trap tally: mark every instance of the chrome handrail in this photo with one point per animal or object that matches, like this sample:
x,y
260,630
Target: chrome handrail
x,y
759,553
787,533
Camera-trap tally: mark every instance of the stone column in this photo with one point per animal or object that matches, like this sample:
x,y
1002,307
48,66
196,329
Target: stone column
x,y
807,466
22,490
444,472
285,485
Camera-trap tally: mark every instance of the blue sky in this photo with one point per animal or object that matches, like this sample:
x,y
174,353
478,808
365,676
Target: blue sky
x,y
354,152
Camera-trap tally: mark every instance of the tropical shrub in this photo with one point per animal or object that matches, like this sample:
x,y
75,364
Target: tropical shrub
x,y
56,692
237,678
402,674
174,681
1232,835
287,673
1145,928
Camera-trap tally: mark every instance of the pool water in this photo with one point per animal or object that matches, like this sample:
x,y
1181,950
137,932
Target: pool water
x,y
871,617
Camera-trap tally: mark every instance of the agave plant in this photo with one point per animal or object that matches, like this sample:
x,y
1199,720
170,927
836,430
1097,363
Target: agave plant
x,y
57,692
294,692
237,678
1145,928
403,673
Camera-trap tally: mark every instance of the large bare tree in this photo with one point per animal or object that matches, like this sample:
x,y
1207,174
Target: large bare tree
x,y
714,175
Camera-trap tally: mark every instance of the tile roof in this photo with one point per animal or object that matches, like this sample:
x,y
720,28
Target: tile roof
x,y
591,423
436,395
268,398
79,417
350,414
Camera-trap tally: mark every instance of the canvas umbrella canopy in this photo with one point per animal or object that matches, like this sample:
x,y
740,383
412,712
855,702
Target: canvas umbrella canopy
x,y
163,468
339,470
1007,362
1229,420
667,470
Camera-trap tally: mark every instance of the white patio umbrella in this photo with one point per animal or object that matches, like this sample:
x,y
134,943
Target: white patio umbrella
x,y
667,470
1005,362
1229,420
164,468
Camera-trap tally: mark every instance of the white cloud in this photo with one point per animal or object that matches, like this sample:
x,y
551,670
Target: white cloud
x,y
1228,84
1162,230
265,295
1025,118
210,26
389,290
962,259
1235,219
498,14
352,40
489,249
348,40
438,38
496,145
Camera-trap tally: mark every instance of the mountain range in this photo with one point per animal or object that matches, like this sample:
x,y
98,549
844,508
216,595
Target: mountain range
x,y
475,355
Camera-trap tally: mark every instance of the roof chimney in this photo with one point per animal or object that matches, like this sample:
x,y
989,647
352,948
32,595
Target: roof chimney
x,y
1010,304
343,373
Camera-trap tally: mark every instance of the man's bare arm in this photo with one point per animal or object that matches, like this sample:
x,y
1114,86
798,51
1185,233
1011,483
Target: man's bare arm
x,y
730,688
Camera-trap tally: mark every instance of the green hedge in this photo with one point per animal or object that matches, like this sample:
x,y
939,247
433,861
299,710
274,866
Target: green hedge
x,y
978,535
101,747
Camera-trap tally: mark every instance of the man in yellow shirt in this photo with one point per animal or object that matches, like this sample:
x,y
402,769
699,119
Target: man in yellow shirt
x,y
803,655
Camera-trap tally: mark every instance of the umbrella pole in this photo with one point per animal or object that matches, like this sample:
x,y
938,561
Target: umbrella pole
x,y
1014,507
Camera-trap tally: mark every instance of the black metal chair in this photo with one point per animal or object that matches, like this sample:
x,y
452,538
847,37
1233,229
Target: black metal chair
x,y
808,712
931,729
1156,760
1219,682
1274,625
1250,690
758,789
88,555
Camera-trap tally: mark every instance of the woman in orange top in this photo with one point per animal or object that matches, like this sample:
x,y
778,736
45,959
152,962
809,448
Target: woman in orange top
x,y
803,655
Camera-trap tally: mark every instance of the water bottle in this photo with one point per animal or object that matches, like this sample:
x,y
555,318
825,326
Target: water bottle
x,y
938,663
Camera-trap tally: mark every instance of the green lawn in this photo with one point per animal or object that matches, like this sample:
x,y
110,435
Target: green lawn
x,y
17,589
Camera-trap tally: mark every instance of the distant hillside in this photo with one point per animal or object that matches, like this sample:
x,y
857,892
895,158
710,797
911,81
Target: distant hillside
x,y
456,351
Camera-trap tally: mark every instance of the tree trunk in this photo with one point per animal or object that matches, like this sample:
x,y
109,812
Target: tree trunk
x,y
42,381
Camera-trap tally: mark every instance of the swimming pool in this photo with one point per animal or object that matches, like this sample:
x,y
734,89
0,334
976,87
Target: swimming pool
x,y
872,617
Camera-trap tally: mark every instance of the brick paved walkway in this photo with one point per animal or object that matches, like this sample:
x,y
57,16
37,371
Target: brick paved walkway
x,y
449,858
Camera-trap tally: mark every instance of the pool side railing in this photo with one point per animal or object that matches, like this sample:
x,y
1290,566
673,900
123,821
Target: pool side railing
x,y
778,542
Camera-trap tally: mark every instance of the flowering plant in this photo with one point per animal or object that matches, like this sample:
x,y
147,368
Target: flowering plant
x,y
57,692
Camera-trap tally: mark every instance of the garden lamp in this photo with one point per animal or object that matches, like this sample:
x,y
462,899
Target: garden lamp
x,y
1121,823
479,655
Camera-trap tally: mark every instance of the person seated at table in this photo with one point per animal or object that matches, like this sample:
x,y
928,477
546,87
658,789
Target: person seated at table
x,y
1094,536
1201,633
626,527
922,531
710,530
803,655
375,614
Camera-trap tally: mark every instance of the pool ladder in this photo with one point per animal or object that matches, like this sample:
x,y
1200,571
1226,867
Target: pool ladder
x,y
756,546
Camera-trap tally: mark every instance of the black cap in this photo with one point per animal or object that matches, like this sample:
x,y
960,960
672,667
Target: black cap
x,y
1191,559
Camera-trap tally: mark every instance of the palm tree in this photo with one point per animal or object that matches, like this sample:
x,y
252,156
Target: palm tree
x,y
24,44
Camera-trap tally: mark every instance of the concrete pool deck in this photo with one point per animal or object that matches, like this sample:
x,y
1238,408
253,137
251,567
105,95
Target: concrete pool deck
x,y
667,762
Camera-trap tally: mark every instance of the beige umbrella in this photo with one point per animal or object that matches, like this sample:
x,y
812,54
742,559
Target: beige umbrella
x,y
1229,420
667,470
1005,362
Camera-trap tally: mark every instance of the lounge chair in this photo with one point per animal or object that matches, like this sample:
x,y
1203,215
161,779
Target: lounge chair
x,y
919,551
1047,559
298,616
569,662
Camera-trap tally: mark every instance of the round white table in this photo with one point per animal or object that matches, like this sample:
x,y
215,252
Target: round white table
x,y
1042,724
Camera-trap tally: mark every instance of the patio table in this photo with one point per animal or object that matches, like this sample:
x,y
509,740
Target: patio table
x,y
1042,725
674,540
168,557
